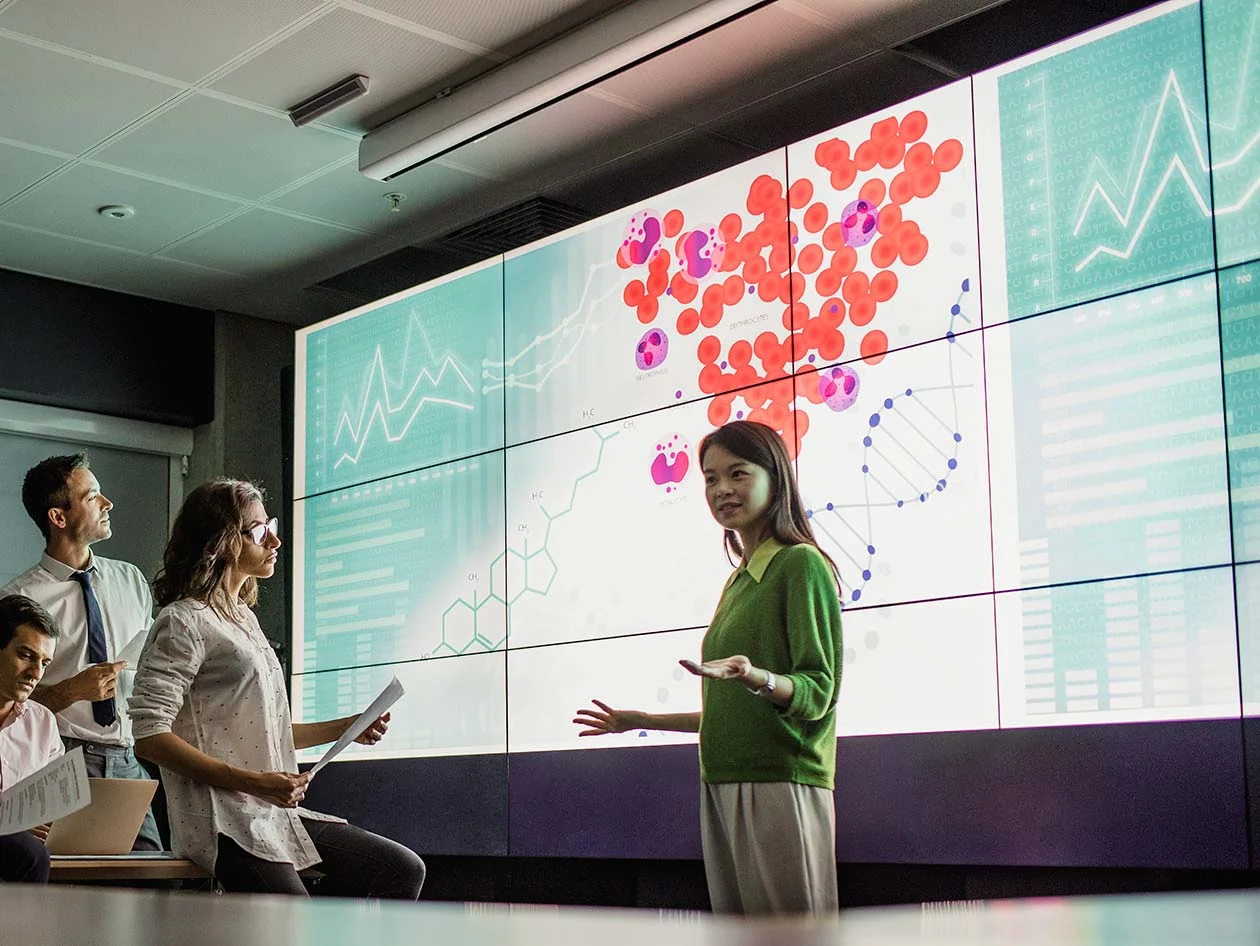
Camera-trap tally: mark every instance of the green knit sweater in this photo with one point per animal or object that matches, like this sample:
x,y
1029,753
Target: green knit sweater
x,y
781,611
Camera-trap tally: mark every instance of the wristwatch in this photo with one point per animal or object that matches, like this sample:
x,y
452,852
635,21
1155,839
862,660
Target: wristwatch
x,y
766,688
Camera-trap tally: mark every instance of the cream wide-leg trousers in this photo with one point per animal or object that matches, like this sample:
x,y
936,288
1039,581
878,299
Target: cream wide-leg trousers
x,y
769,847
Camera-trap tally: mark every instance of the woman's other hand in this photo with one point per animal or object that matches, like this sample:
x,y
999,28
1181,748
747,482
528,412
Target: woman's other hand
x,y
372,735
604,720
283,789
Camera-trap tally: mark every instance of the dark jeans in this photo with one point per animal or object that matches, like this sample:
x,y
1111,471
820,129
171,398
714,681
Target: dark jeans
x,y
104,761
353,862
23,859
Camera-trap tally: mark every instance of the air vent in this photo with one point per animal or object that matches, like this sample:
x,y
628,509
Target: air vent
x,y
513,228
506,230
395,272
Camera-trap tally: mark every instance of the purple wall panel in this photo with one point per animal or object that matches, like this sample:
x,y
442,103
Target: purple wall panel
x,y
631,803
1145,795
1160,795
453,806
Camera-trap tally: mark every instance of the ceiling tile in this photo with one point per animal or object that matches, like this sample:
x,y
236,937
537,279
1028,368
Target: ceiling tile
x,y
209,143
67,204
67,104
493,25
345,196
260,241
44,254
175,281
336,46
184,39
20,168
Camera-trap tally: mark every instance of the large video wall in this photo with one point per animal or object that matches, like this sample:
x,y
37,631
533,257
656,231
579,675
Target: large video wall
x,y
1009,330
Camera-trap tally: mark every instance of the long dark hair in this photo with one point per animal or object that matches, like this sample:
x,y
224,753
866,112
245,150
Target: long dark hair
x,y
756,443
205,541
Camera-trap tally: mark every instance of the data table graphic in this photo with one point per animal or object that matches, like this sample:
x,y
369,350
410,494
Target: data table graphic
x,y
1231,33
1240,335
1103,164
1156,647
1108,462
390,572
1108,455
1247,589
399,387
451,706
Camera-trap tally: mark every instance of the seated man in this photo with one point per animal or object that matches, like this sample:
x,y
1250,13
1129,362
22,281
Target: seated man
x,y
28,731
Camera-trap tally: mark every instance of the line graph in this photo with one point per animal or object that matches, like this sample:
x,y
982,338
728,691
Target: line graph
x,y
552,350
1176,168
395,388
1093,206
1231,34
377,406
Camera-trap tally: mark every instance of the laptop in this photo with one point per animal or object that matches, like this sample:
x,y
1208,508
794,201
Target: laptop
x,y
109,823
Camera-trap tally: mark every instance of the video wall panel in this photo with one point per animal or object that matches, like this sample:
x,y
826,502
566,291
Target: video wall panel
x,y
453,705
550,683
1155,647
399,385
1240,343
659,304
1094,156
1009,331
1231,32
1108,454
598,522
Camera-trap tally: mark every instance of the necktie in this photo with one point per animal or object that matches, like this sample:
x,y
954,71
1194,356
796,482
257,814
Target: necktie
x,y
102,710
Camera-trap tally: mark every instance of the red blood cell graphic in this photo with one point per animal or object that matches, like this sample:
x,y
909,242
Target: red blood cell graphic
x,y
848,235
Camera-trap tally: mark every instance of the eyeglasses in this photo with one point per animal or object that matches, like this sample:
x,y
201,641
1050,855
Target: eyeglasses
x,y
258,531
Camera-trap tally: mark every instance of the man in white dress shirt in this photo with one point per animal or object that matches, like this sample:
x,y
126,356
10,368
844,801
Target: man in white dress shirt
x,y
100,605
28,731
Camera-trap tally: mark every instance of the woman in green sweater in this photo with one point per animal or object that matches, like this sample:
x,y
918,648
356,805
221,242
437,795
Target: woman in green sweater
x,y
770,677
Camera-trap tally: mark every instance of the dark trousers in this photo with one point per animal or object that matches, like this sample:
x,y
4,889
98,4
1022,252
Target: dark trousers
x,y
23,859
102,761
353,862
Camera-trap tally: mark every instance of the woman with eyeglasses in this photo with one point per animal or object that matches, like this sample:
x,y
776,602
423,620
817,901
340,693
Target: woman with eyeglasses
x,y
209,707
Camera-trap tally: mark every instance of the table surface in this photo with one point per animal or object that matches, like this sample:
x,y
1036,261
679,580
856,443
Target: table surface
x,y
55,916
79,869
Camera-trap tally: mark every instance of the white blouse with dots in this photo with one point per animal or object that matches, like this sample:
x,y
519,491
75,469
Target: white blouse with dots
x,y
217,685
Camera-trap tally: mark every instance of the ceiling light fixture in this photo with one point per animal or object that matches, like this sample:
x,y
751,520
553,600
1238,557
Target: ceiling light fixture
x,y
116,211
335,96
627,35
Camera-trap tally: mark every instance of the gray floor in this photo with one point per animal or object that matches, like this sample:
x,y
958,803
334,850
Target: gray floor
x,y
86,916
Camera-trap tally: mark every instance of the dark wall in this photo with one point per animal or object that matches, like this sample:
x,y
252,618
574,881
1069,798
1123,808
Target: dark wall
x,y
1167,795
93,350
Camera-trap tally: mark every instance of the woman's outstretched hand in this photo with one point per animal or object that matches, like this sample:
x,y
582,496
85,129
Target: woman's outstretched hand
x,y
735,667
604,720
